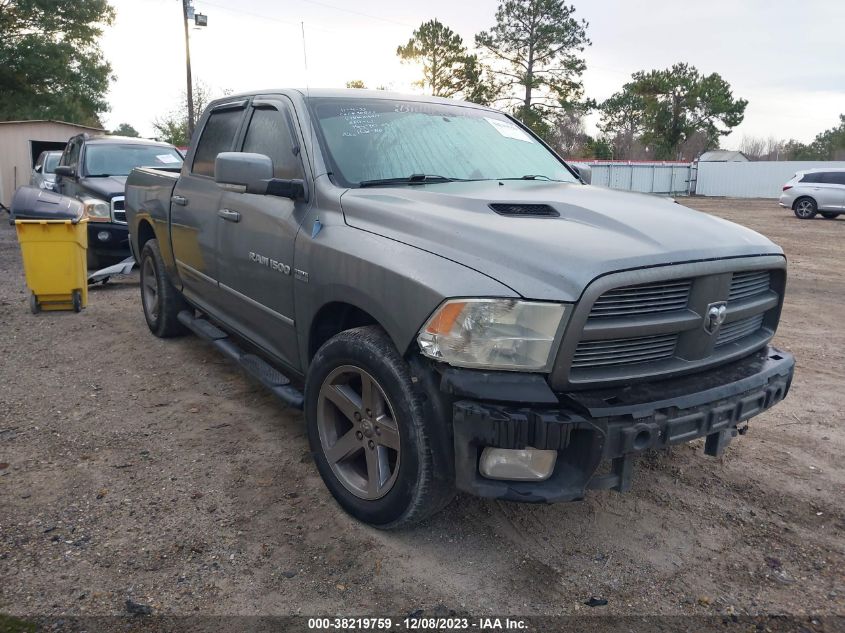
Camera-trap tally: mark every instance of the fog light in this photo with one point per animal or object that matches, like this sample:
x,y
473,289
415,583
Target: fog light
x,y
104,236
529,464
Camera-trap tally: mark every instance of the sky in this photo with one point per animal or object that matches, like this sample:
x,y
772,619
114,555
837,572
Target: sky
x,y
786,59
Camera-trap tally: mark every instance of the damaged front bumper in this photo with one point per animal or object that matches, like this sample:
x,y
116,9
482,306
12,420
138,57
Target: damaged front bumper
x,y
590,428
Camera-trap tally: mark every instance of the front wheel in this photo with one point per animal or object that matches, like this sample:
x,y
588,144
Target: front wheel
x,y
805,208
827,215
372,444
159,298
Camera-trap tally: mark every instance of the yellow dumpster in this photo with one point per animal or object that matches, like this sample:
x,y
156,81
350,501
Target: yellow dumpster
x,y
53,236
54,260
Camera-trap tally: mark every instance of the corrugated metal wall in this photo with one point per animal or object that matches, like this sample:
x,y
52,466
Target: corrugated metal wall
x,y
657,177
15,150
763,179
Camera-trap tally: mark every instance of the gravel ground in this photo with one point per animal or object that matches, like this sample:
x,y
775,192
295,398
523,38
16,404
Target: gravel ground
x,y
135,468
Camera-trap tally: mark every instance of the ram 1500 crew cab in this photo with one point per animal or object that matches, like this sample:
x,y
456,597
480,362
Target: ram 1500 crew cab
x,y
450,302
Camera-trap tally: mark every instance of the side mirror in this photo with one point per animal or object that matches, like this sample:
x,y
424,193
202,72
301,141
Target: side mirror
x,y
253,173
284,188
585,172
242,169
64,170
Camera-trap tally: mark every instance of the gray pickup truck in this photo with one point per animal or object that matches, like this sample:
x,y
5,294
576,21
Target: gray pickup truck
x,y
451,304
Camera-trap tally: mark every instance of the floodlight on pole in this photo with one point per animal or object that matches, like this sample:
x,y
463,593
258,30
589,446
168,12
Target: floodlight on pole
x,y
199,19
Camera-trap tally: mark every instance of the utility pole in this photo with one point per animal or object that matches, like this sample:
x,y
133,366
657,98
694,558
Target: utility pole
x,y
185,8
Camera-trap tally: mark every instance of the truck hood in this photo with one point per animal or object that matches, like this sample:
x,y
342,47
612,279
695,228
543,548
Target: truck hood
x,y
599,231
105,187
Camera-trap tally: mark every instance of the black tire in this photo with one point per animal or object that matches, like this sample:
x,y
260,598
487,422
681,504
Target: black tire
x,y
805,208
34,306
416,490
827,215
159,298
76,299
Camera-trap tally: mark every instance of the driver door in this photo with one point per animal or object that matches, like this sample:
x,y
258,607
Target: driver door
x,y
256,235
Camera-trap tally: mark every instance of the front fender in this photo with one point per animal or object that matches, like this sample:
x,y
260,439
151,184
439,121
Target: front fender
x,y
397,284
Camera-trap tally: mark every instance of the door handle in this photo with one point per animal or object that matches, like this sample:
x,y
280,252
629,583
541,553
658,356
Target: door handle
x,y
229,215
180,200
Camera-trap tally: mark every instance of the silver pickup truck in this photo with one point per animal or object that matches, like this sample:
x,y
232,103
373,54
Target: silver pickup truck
x,y
451,304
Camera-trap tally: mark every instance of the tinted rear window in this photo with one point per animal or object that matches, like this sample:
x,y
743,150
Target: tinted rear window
x,y
814,177
218,136
835,177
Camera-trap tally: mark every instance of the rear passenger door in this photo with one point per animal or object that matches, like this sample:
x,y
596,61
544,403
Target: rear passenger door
x,y
195,203
256,237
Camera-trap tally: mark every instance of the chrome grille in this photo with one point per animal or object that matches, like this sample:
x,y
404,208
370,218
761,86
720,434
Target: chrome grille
x,y
749,284
731,332
118,210
624,351
665,296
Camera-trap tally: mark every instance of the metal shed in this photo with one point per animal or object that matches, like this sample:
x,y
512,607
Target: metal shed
x,y
722,156
20,144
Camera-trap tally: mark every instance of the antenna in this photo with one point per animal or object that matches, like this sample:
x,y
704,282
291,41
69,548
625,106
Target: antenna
x,y
308,93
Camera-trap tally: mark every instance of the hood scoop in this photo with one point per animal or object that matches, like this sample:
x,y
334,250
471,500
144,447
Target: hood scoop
x,y
525,210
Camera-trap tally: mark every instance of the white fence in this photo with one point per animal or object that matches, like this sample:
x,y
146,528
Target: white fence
x,y
758,179
647,177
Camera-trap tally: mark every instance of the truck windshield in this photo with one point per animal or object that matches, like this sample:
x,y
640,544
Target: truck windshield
x,y
373,140
119,160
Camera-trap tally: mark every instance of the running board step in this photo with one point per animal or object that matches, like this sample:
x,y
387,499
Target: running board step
x,y
256,367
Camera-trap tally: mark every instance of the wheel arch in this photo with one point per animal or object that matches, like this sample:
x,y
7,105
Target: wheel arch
x,y
335,317
804,196
145,234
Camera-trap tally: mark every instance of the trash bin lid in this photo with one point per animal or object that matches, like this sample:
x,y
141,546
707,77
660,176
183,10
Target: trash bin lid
x,y
33,203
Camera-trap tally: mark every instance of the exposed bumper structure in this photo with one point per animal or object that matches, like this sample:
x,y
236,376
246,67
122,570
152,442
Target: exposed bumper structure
x,y
588,428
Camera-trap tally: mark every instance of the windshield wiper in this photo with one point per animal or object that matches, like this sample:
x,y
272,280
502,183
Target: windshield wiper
x,y
413,179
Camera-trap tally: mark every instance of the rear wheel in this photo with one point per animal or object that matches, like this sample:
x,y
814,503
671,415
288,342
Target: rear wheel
x,y
827,215
371,441
159,298
805,208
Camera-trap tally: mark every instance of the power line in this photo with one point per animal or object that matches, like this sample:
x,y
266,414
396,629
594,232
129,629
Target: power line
x,y
366,15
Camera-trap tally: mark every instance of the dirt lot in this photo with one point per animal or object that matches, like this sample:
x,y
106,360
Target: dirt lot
x,y
154,470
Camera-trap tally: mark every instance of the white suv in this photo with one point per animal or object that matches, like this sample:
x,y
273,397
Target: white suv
x,y
815,191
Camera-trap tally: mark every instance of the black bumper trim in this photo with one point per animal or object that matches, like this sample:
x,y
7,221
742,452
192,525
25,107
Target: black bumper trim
x,y
590,430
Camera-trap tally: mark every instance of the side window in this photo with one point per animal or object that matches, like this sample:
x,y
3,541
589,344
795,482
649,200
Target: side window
x,y
269,134
71,155
835,177
814,177
217,136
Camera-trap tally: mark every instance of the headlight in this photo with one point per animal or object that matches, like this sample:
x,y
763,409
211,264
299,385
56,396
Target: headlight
x,y
97,210
493,333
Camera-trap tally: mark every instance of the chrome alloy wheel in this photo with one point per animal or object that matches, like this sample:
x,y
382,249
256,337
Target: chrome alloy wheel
x,y
358,432
804,209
